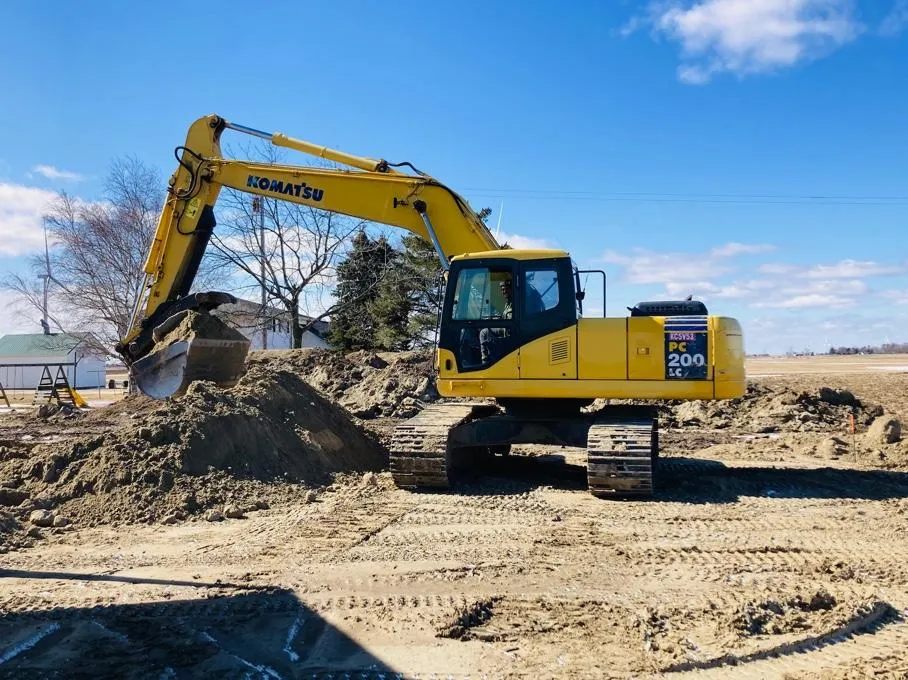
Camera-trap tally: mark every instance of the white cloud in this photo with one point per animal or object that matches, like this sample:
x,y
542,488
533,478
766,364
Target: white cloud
x,y
645,266
778,292
12,318
21,208
745,289
834,287
808,300
843,269
896,21
749,36
846,269
732,249
777,334
50,172
523,242
682,289
899,297
723,275
777,269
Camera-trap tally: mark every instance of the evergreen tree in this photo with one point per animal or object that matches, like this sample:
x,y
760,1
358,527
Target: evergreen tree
x,y
418,277
391,309
390,299
359,279
422,272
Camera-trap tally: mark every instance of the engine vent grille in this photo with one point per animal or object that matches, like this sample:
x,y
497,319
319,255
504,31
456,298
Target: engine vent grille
x,y
559,351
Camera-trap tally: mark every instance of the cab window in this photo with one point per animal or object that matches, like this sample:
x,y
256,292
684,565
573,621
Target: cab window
x,y
482,293
540,290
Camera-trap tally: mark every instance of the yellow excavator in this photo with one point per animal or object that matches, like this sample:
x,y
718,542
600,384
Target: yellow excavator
x,y
512,331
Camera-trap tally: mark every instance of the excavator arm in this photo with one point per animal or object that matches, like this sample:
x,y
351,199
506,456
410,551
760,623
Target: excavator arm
x,y
368,189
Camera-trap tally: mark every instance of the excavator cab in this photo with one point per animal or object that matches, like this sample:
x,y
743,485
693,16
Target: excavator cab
x,y
500,301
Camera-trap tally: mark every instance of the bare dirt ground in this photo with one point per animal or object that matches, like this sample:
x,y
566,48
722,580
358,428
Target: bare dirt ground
x,y
777,546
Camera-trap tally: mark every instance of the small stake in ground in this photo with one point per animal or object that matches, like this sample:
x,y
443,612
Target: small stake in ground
x,y
854,445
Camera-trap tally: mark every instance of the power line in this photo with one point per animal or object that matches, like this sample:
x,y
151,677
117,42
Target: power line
x,y
695,193
657,197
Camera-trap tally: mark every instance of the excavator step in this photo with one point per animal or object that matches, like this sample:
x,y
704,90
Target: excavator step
x,y
621,457
420,455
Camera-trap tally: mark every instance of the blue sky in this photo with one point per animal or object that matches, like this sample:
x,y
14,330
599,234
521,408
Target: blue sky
x,y
750,152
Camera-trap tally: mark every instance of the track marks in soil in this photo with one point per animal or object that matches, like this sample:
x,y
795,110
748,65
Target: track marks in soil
x,y
875,636
446,527
468,617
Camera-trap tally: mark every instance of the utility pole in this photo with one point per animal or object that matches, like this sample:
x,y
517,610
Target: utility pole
x,y
46,276
258,205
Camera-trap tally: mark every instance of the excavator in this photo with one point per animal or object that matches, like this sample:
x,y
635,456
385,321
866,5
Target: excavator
x,y
516,360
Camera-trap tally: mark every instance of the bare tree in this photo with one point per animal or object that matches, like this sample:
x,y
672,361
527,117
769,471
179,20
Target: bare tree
x,y
289,250
98,254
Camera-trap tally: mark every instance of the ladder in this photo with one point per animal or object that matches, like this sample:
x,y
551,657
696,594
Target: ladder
x,y
4,397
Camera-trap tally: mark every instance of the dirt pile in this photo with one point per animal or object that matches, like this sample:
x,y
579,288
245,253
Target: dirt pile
x,y
779,616
780,420
887,429
769,408
183,456
881,444
188,325
367,384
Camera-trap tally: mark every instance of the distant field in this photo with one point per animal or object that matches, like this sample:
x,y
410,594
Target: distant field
x,y
888,363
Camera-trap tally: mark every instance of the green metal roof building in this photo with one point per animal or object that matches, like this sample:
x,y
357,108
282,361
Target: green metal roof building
x,y
23,356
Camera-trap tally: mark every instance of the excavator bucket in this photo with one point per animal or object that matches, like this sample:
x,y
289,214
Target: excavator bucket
x,y
191,346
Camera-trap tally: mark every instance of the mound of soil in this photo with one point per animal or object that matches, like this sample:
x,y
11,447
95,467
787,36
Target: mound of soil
x,y
367,384
195,324
769,408
183,456
779,616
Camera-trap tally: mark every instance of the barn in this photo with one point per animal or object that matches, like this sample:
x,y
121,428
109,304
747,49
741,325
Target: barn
x,y
23,357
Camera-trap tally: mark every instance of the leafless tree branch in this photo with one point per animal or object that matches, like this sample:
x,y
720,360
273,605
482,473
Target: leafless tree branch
x,y
98,254
290,250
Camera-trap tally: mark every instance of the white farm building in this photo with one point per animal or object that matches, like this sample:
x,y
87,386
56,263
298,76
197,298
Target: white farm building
x,y
270,330
23,357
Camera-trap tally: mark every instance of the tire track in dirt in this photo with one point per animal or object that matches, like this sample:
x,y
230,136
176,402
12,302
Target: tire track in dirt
x,y
875,638
389,604
445,527
719,563
432,514
448,536
524,502
400,549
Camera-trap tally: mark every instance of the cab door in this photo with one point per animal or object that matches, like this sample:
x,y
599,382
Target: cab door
x,y
547,314
479,328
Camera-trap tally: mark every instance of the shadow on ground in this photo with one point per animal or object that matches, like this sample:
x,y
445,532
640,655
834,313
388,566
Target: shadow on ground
x,y
692,480
270,635
701,481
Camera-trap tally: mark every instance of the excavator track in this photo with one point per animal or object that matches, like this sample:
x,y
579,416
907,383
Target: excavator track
x,y
621,457
420,455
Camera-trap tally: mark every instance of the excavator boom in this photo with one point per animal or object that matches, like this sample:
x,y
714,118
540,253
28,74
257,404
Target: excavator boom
x,y
368,189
